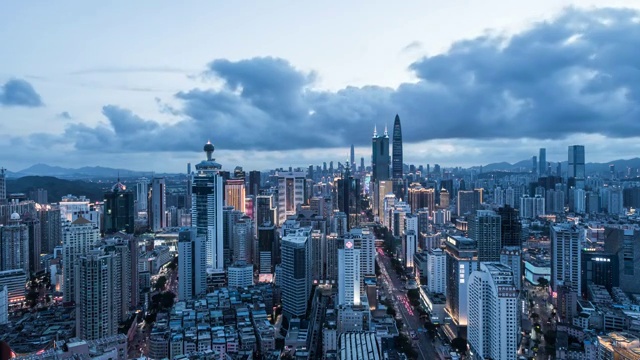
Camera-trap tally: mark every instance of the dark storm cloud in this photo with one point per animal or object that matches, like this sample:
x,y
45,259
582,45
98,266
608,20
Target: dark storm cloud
x,y
16,92
577,73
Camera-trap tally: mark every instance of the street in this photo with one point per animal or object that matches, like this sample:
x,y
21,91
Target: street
x,y
411,319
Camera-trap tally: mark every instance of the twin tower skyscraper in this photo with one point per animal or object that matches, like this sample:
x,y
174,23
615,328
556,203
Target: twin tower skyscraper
x,y
380,167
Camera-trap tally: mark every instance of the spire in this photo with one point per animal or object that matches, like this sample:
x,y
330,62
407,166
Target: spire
x,y
386,133
375,130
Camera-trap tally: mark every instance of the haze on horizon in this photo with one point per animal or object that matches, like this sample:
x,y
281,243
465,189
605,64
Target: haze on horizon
x,y
144,85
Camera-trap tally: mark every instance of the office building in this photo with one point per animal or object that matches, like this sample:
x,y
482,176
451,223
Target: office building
x,y
15,281
142,195
291,193
97,304
348,274
493,329
242,240
255,180
409,247
157,217
266,211
466,202
566,245
510,227
206,208
119,209
50,227
192,264
382,189
576,173
235,194
380,156
397,163
511,256
485,228
78,237
268,248
348,198
34,233
542,165
624,242
420,198
436,271
296,272
462,258
240,275
14,245
599,268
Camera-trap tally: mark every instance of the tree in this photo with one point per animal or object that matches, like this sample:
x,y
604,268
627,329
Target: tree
x,y
542,282
459,345
160,283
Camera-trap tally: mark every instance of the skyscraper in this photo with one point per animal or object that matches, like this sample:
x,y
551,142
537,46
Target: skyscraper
x,y
485,229
268,248
97,304
192,264
206,208
291,193
3,185
352,159
142,194
566,242
542,162
254,182
493,328
265,210
462,258
348,274
436,271
119,209
379,156
296,272
77,239
348,189
510,227
158,207
235,194
14,245
397,149
576,172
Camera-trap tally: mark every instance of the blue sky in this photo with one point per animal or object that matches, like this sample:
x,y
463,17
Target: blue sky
x,y
282,83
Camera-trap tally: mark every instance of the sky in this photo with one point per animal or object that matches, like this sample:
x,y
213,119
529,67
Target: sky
x,y
143,85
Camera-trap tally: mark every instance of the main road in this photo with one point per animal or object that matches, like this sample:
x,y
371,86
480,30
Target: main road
x,y
410,317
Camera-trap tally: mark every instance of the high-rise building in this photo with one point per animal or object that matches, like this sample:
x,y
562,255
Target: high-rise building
x,y
420,198
254,182
352,158
485,229
77,239
510,227
229,218
119,209
3,185
192,264
206,208
242,238
142,194
4,305
40,196
511,256
296,272
624,242
268,248
466,202
97,304
240,275
158,218
534,164
348,274
566,245
34,230
576,172
235,194
14,245
380,157
493,328
348,191
436,271
598,268
542,166
397,149
532,207
266,211
462,258
291,193
50,227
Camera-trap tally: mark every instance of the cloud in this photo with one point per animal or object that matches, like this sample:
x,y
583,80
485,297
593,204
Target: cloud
x,y
132,69
576,73
16,92
65,115
412,46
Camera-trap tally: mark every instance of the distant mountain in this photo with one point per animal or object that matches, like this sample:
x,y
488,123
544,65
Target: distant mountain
x,y
57,188
86,172
525,165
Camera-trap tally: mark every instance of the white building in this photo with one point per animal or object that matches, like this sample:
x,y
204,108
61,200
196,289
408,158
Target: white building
x,y
436,271
4,305
296,272
97,304
349,274
142,192
532,207
566,244
493,328
511,256
192,265
240,275
291,189
206,208
77,238
409,244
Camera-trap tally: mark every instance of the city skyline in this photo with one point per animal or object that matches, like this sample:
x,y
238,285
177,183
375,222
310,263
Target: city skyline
x,y
164,109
